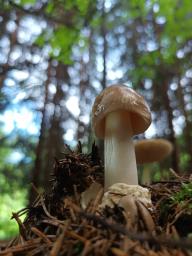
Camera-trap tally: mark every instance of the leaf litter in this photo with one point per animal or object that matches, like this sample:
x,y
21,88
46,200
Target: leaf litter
x,y
57,224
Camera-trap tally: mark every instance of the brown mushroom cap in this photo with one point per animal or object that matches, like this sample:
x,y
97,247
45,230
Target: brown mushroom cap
x,y
120,97
152,150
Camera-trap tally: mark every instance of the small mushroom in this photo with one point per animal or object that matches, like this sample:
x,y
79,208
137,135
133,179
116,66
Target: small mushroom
x,y
118,114
151,151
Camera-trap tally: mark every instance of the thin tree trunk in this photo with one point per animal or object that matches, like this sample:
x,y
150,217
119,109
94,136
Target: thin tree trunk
x,y
103,34
36,174
188,126
104,77
172,137
55,142
91,67
83,85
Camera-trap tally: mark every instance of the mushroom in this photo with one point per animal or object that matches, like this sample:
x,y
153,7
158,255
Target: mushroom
x,y
151,151
118,114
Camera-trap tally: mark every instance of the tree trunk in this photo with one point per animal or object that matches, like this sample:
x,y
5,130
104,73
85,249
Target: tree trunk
x,y
36,174
187,133
172,138
104,77
83,86
55,142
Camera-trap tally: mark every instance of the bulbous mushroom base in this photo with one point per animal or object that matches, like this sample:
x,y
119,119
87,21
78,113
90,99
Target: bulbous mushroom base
x,y
118,190
136,203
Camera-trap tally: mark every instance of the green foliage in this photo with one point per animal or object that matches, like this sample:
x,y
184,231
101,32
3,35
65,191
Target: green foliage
x,y
5,151
24,2
138,8
157,175
12,197
184,194
66,33
74,5
169,36
178,199
62,42
11,203
50,7
83,6
178,23
184,160
13,173
4,185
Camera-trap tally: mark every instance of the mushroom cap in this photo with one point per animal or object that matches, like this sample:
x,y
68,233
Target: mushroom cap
x,y
120,97
152,150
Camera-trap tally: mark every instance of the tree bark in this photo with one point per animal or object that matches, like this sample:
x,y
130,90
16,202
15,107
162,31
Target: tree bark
x,y
187,133
172,137
104,76
36,175
83,86
55,141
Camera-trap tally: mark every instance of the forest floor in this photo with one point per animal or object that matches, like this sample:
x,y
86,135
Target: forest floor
x,y
57,224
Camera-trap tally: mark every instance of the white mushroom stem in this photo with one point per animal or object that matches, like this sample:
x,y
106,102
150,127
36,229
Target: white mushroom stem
x,y
120,162
146,177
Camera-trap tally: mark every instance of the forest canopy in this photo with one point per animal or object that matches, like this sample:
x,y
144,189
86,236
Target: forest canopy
x,y
57,55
